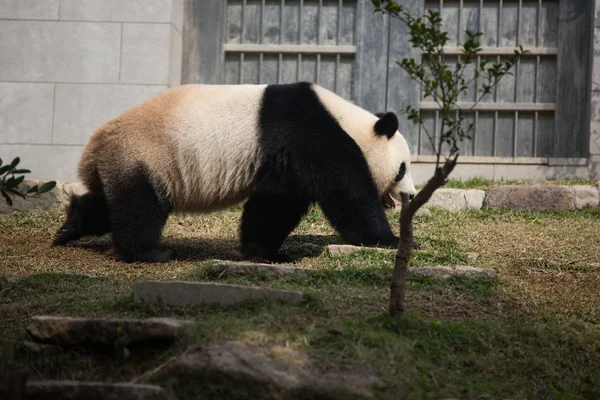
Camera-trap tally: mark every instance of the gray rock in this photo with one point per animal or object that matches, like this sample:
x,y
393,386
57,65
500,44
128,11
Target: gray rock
x,y
475,198
79,390
423,211
242,268
472,257
586,196
444,272
532,198
68,331
181,294
335,249
269,373
448,199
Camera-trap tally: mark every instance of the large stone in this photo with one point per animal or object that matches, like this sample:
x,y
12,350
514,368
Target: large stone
x,y
67,331
242,268
586,196
268,373
182,294
475,198
54,200
448,199
79,390
445,272
532,198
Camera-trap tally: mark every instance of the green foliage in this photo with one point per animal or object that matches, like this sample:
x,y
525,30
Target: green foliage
x,y
441,82
10,179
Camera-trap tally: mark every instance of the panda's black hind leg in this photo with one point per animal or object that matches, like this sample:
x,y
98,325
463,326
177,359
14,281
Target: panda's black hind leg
x,y
137,217
86,215
267,220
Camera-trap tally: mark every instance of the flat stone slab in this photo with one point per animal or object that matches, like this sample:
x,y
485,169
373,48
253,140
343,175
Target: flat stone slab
x,y
182,294
274,372
68,331
79,390
446,272
336,249
586,196
244,268
532,198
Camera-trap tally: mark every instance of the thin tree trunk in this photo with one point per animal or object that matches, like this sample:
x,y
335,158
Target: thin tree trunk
x,y
409,209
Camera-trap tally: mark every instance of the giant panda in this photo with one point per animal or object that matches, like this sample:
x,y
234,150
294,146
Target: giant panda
x,y
201,148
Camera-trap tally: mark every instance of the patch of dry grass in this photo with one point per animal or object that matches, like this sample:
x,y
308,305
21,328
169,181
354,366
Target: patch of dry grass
x,y
533,334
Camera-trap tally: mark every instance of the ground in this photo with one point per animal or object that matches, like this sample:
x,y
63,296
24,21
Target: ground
x,y
535,333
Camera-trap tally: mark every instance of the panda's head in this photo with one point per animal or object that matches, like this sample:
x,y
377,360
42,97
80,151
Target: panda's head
x,y
389,158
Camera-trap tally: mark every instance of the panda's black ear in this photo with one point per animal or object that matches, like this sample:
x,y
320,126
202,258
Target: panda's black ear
x,y
387,125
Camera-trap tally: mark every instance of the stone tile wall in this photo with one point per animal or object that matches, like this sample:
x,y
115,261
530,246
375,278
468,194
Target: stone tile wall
x,y
66,66
595,115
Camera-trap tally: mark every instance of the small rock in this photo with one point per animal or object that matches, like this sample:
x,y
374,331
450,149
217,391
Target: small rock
x,y
68,331
473,257
444,272
270,373
335,249
586,196
56,199
475,198
448,199
45,350
181,294
79,390
423,211
532,198
248,268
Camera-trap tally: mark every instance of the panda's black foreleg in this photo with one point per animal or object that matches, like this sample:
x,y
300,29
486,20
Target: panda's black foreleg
x,y
358,217
137,218
267,220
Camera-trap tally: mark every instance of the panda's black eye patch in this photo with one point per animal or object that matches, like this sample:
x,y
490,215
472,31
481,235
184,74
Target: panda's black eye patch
x,y
401,172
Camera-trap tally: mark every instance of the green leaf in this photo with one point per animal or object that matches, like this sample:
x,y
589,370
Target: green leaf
x,y
46,187
0,162
21,171
7,198
4,169
15,162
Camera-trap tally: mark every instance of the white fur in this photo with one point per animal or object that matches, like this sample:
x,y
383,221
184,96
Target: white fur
x,y
383,155
218,149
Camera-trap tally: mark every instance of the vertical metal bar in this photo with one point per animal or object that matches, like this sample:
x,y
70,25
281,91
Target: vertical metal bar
x,y
337,73
261,35
519,12
279,65
516,135
319,14
499,23
241,67
318,68
495,141
300,21
475,126
436,126
243,27
535,133
460,21
441,5
281,29
339,23
299,69
260,66
539,23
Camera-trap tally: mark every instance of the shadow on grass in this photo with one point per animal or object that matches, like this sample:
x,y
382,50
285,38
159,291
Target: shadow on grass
x,y
296,247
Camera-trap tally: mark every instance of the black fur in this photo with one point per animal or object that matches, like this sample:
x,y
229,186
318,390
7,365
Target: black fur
x,y
308,157
137,217
86,215
387,124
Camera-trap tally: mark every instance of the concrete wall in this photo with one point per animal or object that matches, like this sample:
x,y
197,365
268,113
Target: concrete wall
x,y
66,66
595,87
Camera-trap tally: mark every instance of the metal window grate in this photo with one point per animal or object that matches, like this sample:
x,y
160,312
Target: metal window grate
x,y
518,119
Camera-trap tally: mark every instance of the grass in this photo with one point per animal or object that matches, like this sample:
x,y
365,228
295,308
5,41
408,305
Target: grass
x,y
532,334
486,184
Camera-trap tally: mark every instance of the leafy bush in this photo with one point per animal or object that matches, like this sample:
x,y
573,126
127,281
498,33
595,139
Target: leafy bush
x,y
10,179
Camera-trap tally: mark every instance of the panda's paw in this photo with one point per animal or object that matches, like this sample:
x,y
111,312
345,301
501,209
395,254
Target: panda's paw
x,y
157,255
